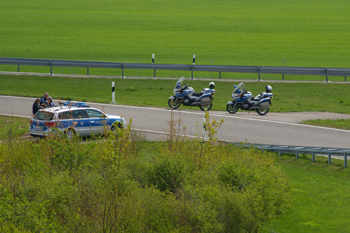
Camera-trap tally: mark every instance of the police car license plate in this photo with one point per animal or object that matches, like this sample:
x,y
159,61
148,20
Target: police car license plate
x,y
37,127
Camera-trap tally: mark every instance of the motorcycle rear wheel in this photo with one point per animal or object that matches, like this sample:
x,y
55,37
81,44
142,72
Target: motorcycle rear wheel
x,y
206,107
262,111
174,103
232,108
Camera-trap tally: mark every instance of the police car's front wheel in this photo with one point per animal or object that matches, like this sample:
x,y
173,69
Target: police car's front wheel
x,y
70,133
115,127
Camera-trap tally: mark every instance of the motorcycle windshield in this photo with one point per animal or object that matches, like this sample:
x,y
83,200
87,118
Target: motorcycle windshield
x,y
179,83
239,87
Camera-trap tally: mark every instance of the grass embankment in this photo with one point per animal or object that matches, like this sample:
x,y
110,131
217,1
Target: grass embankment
x,y
268,33
339,124
320,194
290,97
12,127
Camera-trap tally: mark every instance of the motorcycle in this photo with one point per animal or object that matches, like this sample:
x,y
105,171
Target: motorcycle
x,y
188,97
243,99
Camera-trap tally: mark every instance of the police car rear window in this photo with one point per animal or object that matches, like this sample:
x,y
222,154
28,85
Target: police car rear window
x,y
65,115
44,116
73,114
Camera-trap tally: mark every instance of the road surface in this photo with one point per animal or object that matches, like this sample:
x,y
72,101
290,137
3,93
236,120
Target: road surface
x,y
273,128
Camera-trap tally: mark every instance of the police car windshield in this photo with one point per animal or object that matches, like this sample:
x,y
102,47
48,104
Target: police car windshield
x,y
41,115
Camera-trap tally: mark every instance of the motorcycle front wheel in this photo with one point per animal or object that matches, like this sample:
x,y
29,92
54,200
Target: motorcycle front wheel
x,y
232,108
174,103
262,111
206,107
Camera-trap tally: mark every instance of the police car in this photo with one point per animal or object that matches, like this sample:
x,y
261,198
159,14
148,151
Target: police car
x,y
74,121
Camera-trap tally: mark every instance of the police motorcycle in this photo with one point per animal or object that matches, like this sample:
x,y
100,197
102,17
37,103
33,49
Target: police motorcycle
x,y
244,100
188,97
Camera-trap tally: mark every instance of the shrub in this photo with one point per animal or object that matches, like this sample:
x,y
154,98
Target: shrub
x,y
120,185
166,174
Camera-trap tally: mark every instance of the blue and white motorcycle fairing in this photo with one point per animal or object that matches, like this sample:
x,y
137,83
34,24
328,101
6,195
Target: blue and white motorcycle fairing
x,y
188,97
243,99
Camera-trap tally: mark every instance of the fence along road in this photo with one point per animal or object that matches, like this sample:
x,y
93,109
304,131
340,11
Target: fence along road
x,y
209,68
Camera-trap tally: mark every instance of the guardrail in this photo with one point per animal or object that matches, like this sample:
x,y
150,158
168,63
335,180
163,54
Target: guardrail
x,y
211,68
300,150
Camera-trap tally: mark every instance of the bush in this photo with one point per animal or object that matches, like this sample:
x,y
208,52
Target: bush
x,y
115,185
166,175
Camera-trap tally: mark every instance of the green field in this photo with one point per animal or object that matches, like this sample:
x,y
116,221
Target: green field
x,y
260,33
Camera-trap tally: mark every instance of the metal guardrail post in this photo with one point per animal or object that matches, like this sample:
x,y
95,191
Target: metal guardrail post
x,y
122,70
50,68
17,68
345,78
211,63
87,70
191,71
326,75
345,160
313,157
259,72
220,75
283,74
329,158
297,154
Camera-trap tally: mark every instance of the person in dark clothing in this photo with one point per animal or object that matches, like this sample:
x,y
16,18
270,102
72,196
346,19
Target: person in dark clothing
x,y
49,102
36,106
43,100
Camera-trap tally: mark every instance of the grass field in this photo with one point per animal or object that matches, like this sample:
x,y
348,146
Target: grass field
x,y
320,196
339,124
11,127
264,33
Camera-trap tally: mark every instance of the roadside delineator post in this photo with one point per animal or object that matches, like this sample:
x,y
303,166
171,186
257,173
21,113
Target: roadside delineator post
x,y
113,93
204,131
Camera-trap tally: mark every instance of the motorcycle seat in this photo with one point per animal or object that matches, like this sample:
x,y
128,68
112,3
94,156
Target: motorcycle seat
x,y
198,94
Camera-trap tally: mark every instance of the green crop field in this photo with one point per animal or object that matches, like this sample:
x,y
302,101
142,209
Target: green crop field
x,y
311,33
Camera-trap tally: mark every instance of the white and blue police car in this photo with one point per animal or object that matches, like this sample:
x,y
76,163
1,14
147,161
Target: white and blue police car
x,y
72,121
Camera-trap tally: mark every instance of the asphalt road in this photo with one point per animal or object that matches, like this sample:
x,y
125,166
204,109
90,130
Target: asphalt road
x,y
273,128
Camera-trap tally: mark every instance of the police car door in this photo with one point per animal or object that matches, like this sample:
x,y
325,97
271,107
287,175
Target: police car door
x,y
81,121
98,121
